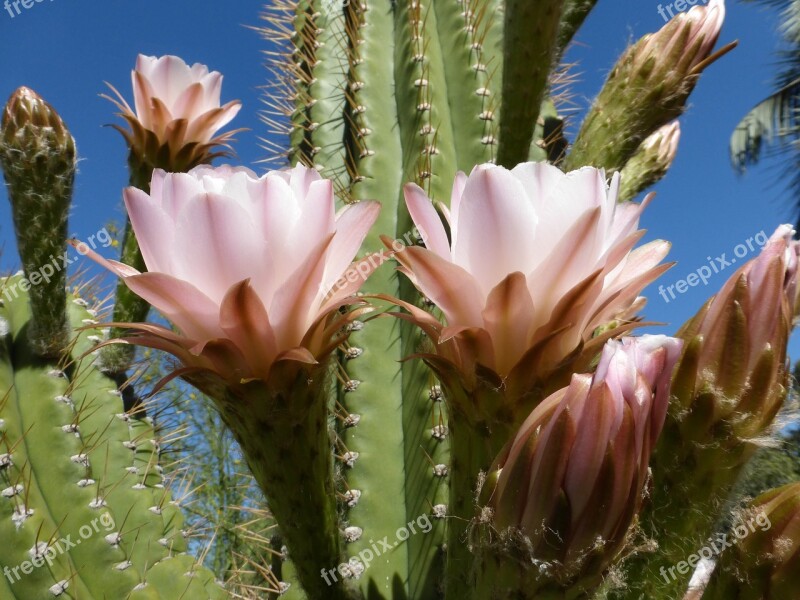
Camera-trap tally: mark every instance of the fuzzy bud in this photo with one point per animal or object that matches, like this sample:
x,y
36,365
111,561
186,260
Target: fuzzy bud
x,y
38,158
648,87
765,560
651,161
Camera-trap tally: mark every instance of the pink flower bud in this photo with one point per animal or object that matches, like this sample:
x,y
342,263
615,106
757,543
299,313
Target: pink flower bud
x,y
571,480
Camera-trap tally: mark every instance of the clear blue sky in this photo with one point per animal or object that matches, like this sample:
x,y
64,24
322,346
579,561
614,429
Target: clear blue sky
x,y
66,49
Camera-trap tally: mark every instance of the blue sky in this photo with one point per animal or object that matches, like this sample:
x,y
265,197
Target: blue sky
x,y
66,49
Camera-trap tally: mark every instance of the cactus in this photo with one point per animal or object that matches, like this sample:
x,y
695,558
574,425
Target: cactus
x,y
433,86
38,158
84,508
78,469
379,441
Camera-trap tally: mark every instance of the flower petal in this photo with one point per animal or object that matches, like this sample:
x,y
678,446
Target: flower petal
x,y
427,220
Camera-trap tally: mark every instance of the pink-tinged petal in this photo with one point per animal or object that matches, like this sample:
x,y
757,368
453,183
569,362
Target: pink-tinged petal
x,y
227,114
301,355
118,268
169,77
352,225
496,227
194,313
142,93
509,317
447,285
300,178
317,208
592,439
427,220
175,191
148,216
244,319
423,319
459,182
626,218
639,261
539,180
280,227
212,86
351,280
572,259
189,103
586,188
225,246
294,307
146,64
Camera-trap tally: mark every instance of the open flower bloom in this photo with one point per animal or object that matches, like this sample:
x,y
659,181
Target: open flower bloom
x,y
245,267
177,107
739,339
575,471
538,260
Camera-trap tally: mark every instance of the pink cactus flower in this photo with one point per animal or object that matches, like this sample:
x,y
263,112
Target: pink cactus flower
x,y
537,260
248,269
177,107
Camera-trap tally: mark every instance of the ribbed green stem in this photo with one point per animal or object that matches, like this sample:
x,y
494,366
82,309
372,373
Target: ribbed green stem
x,y
86,473
327,88
282,428
471,34
479,428
468,460
531,30
128,307
572,17
373,155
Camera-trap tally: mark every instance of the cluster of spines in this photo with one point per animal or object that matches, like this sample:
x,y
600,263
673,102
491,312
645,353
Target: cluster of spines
x,y
76,467
470,30
293,36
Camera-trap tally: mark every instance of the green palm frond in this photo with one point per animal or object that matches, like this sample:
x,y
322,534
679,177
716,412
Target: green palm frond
x,y
775,120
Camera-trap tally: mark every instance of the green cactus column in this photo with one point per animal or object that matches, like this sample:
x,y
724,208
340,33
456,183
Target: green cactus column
x,y
282,428
84,508
530,36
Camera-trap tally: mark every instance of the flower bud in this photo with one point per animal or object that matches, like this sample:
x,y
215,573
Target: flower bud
x,y
651,161
648,87
570,483
38,158
765,560
735,364
176,117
